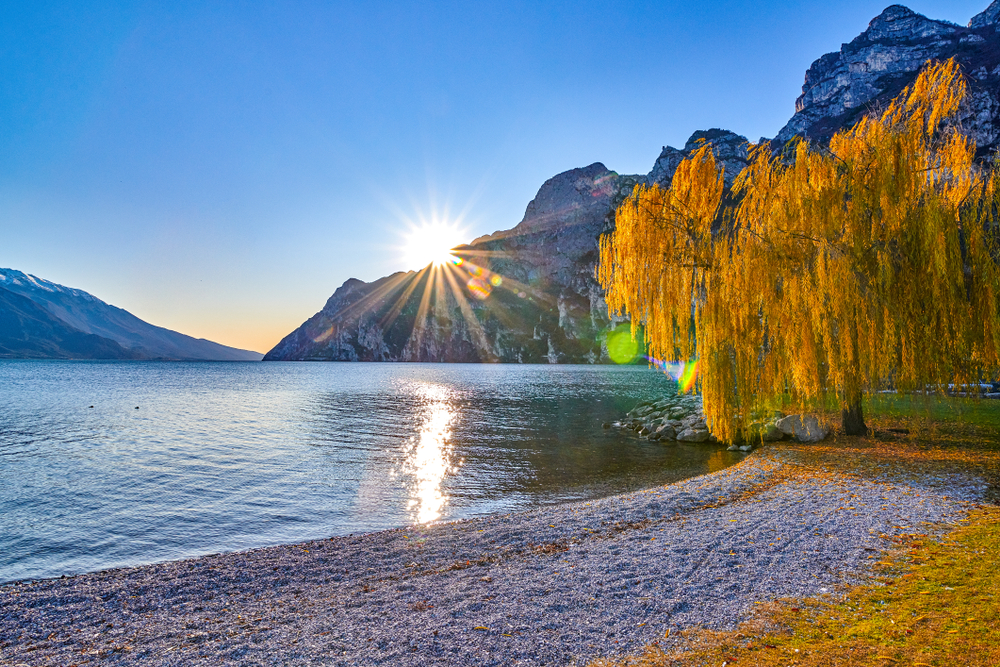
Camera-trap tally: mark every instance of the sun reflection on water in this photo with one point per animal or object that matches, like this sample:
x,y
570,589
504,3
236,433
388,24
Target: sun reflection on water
x,y
429,459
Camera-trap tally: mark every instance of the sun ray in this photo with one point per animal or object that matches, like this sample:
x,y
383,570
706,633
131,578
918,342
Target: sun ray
x,y
402,300
520,289
420,323
361,305
475,327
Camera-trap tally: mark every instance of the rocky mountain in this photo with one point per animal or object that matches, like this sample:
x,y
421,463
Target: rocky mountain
x,y
72,310
873,68
523,295
528,294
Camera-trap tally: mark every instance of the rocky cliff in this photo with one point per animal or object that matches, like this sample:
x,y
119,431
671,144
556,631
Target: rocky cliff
x,y
522,295
529,295
874,67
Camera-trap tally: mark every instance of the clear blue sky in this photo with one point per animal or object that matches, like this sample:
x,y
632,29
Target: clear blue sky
x,y
220,168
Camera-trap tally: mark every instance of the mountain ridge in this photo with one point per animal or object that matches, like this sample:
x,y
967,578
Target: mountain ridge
x,y
29,331
83,312
547,305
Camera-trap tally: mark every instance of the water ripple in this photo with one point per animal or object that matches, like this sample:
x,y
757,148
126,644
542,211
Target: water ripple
x,y
226,456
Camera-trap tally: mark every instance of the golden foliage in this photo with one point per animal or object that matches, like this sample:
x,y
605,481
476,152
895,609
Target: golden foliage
x,y
835,273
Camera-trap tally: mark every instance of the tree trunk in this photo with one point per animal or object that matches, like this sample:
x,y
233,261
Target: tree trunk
x,y
852,418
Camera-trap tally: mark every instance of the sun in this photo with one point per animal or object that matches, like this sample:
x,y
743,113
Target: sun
x,y
431,243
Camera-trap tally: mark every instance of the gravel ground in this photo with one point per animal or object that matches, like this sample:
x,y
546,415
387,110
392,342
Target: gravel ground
x,y
554,586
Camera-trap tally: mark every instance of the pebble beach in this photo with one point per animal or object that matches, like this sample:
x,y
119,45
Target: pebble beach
x,y
559,585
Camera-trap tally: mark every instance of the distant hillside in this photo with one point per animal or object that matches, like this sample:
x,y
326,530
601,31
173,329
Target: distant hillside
x,y
28,331
76,310
547,305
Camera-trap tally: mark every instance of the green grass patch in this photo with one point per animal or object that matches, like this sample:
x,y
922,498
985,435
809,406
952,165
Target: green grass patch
x,y
980,412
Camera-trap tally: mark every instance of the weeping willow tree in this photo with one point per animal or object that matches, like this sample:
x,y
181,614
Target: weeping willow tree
x,y
826,274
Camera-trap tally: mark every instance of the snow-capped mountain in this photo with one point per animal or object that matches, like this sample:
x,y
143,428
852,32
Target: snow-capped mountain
x,y
84,312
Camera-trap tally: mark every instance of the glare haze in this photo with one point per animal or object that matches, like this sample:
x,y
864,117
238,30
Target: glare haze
x,y
220,169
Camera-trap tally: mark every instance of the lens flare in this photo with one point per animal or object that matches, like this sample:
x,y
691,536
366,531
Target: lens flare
x,y
684,372
481,280
689,376
479,288
622,348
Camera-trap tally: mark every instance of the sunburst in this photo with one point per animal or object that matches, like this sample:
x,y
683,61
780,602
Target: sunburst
x,y
431,244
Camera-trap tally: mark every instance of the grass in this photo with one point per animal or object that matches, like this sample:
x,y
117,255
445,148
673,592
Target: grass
x,y
935,600
933,410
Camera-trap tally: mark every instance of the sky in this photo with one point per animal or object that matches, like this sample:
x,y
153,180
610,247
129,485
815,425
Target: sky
x,y
221,168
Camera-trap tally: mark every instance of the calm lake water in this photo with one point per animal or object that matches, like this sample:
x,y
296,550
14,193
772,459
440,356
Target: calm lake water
x,y
229,456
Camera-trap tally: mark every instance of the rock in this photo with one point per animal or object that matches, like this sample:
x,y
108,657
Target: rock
x,y
694,421
643,431
989,17
666,431
733,448
693,435
729,148
841,87
746,448
804,428
771,433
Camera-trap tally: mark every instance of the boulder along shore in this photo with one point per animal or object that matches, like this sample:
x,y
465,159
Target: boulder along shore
x,y
681,418
553,586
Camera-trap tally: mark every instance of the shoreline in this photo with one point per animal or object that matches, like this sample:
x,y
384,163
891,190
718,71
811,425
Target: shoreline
x,y
560,584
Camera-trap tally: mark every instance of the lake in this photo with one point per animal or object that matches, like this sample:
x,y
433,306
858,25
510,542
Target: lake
x,y
107,464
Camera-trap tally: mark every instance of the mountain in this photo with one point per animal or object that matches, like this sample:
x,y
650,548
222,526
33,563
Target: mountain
x,y
69,309
28,331
548,306
874,67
